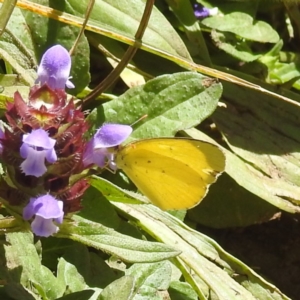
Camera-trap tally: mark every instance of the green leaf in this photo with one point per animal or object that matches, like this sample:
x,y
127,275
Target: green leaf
x,y
268,146
233,46
204,264
114,193
171,103
122,17
182,291
243,25
16,49
78,266
24,267
21,36
6,56
150,279
96,208
70,276
184,12
284,73
120,289
106,239
283,67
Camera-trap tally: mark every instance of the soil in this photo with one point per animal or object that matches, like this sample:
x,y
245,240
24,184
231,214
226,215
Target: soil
x,y
271,249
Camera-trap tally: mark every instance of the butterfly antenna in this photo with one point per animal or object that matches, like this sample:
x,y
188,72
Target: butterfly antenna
x,y
140,119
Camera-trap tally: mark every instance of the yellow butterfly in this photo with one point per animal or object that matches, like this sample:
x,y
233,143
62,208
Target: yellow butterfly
x,y
174,173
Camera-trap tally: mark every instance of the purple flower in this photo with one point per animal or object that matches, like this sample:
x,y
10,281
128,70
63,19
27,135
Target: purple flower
x,y
54,68
98,148
203,12
36,147
47,210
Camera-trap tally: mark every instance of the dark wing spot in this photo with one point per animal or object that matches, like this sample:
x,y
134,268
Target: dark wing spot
x,y
149,161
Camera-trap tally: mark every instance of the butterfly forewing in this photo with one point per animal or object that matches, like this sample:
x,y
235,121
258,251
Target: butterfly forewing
x,y
172,173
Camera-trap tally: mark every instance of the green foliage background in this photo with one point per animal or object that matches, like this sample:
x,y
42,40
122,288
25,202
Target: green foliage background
x,y
118,247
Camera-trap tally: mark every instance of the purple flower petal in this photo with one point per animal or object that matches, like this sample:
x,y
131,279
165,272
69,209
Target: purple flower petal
x,y
34,164
203,12
36,147
111,135
94,156
98,148
100,157
43,227
55,68
88,155
46,210
39,138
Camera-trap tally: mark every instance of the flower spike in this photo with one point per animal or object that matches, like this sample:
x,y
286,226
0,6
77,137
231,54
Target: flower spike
x,y
42,144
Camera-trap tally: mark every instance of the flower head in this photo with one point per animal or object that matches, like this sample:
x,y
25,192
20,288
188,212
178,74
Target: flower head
x,y
203,12
35,126
42,145
46,210
98,150
37,146
54,68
